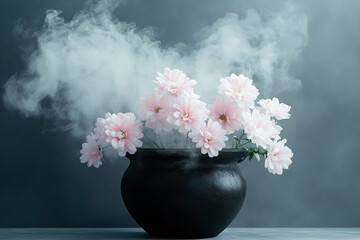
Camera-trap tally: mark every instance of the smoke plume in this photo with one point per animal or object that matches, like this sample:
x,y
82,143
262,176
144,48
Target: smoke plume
x,y
95,63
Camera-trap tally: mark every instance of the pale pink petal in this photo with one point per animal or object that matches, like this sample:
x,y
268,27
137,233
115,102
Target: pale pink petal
x,y
154,112
278,157
227,113
274,108
259,128
188,114
240,89
123,131
210,138
174,83
91,152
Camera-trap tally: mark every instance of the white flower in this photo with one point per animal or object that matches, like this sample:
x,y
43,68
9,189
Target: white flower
x,y
174,82
188,114
210,138
278,157
259,128
155,113
274,109
227,113
124,132
91,152
100,129
240,89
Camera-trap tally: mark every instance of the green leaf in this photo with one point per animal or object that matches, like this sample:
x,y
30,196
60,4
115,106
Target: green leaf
x,y
257,156
251,155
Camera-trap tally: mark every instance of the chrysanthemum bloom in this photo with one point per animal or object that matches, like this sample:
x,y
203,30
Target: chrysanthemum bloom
x,y
274,109
240,89
100,129
278,129
91,152
174,83
259,128
155,112
227,113
188,114
210,138
123,132
278,157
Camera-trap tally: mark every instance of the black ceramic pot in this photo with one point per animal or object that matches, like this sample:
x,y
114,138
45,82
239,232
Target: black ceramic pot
x,y
182,193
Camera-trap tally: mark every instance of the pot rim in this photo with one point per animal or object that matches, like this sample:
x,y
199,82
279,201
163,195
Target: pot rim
x,y
172,150
226,155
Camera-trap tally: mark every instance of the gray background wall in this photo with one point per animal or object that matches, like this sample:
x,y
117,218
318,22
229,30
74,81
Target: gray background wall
x,y
42,183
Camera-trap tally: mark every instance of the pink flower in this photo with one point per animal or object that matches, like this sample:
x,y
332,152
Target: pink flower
x,y
210,138
123,132
91,152
274,109
100,129
188,114
259,128
277,129
278,157
227,114
174,83
240,89
155,112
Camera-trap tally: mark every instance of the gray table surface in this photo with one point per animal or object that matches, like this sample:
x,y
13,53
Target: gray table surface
x,y
137,233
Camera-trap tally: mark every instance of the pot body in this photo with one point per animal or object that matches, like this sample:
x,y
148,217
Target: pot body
x,y
181,193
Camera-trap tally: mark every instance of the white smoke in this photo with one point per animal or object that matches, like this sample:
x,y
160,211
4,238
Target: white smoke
x,y
95,63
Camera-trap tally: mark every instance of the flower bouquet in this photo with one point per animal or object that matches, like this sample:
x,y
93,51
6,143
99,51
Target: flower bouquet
x,y
188,184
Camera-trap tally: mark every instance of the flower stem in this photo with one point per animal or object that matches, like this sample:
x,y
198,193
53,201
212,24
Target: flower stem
x,y
175,139
243,132
160,140
238,140
248,141
187,138
151,140
102,148
255,152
